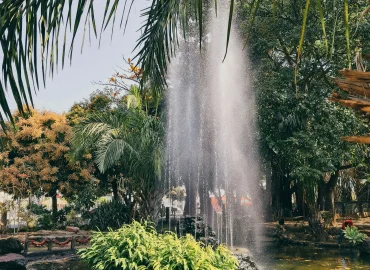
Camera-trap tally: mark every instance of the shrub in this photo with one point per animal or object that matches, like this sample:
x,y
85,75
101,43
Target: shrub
x,y
109,215
138,246
73,219
199,229
353,235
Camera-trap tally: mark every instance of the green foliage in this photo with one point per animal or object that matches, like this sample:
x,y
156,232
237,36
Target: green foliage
x,y
353,235
127,145
299,135
199,229
73,218
84,199
111,215
45,221
138,246
43,218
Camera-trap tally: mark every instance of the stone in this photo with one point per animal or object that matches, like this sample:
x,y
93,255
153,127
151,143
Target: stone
x,y
72,229
10,245
246,262
12,261
365,247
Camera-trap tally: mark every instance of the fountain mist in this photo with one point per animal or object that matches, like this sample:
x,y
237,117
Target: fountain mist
x,y
211,146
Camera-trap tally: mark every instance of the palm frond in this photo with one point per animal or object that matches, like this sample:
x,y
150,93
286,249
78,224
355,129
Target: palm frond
x,y
157,43
124,136
301,40
30,32
111,150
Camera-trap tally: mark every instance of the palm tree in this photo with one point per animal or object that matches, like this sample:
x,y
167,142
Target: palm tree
x,y
127,142
30,32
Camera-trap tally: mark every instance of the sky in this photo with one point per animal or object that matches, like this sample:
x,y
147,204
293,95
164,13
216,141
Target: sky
x,y
76,82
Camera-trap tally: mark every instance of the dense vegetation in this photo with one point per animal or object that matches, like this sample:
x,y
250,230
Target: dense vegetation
x,y
113,142
139,246
299,129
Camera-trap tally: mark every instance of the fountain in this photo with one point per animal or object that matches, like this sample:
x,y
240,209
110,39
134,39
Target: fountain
x,y
211,145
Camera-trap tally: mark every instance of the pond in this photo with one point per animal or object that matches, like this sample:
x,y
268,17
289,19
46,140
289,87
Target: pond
x,y
274,258
306,257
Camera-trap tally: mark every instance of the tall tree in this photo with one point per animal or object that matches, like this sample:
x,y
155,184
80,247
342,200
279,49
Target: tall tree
x,y
24,21
299,128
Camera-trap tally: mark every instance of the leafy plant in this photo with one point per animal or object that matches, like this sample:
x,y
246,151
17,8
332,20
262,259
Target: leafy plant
x,y
139,246
353,235
109,215
46,220
198,228
73,219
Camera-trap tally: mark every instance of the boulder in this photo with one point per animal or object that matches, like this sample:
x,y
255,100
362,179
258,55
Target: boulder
x,y
365,247
10,245
246,262
72,229
12,261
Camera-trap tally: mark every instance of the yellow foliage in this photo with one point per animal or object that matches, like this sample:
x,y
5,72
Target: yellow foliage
x,y
41,144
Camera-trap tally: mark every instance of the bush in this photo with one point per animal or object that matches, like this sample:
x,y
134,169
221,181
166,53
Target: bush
x,y
199,229
73,219
112,215
138,246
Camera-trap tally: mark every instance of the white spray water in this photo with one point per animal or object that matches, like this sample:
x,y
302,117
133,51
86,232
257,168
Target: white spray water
x,y
211,146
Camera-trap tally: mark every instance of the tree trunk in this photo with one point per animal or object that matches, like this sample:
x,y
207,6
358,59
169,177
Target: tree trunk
x,y
206,210
190,199
276,194
329,194
54,205
299,193
4,220
115,189
268,197
286,196
320,196
151,204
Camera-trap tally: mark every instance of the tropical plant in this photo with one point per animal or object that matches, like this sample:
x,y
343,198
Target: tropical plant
x,y
139,246
353,235
25,21
127,145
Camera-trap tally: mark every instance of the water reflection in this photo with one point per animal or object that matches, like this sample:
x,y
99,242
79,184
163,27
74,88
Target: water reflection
x,y
274,258
301,258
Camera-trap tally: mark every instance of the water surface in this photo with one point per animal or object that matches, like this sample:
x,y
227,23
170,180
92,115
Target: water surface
x,y
302,258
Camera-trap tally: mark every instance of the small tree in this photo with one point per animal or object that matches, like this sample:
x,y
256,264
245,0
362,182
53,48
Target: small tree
x,y
35,157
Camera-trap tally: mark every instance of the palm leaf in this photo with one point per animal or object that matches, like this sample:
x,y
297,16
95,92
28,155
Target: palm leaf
x,y
301,40
23,22
30,32
229,26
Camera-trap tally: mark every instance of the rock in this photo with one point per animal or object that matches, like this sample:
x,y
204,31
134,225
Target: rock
x,y
10,245
12,261
72,229
246,262
365,247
